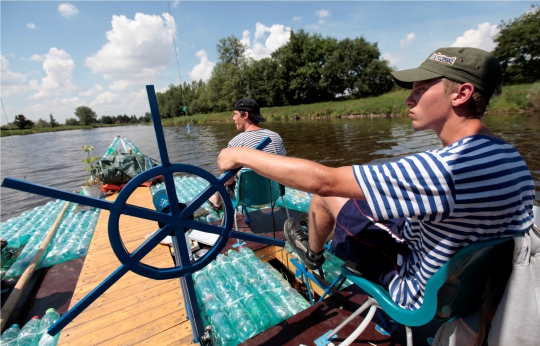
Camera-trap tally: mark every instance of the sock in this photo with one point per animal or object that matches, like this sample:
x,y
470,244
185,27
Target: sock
x,y
312,253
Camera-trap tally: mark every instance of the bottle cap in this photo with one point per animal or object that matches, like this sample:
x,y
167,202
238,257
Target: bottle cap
x,y
15,326
35,317
50,310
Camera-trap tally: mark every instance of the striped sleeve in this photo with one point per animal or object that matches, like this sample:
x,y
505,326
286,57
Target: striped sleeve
x,y
420,186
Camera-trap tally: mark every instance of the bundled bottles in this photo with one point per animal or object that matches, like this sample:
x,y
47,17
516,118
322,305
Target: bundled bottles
x,y
9,337
29,333
26,233
240,296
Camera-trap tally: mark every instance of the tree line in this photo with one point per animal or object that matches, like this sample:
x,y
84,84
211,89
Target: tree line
x,y
309,68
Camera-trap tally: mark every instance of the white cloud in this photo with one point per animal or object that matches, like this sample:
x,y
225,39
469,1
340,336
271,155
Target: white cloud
x,y
203,70
61,108
95,90
408,40
274,37
322,14
31,26
67,10
392,59
297,19
58,66
12,82
105,98
480,38
37,57
137,51
175,4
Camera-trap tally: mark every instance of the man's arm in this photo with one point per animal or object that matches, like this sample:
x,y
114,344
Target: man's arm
x,y
297,173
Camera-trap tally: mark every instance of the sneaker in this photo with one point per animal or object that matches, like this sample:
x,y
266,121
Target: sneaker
x,y
298,240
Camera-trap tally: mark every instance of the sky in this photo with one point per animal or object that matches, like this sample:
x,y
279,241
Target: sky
x,y
57,56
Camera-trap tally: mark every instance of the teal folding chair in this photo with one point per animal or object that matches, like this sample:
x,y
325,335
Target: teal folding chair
x,y
255,191
452,292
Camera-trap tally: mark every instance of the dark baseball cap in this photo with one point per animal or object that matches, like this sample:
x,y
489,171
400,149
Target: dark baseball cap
x,y
463,65
246,104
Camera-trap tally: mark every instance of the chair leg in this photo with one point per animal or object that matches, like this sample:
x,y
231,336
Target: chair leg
x,y
361,327
368,303
286,209
408,332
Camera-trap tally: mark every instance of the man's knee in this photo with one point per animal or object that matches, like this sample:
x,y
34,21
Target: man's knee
x,y
331,204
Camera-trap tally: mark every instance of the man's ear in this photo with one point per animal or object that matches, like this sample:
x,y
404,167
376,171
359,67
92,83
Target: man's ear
x,y
463,94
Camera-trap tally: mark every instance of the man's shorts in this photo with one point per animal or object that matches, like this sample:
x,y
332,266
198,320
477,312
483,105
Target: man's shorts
x,y
373,245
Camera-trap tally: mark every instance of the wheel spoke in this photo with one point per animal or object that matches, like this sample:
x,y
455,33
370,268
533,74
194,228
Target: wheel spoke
x,y
149,214
257,238
151,243
204,227
88,299
199,200
52,192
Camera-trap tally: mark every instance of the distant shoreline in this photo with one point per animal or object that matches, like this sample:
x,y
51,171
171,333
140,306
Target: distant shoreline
x,y
514,99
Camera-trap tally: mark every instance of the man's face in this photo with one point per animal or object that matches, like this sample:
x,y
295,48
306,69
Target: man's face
x,y
429,106
240,120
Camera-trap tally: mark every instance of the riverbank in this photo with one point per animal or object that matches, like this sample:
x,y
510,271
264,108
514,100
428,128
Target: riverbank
x,y
17,132
514,99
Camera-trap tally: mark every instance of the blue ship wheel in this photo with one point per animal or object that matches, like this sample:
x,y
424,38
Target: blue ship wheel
x,y
173,223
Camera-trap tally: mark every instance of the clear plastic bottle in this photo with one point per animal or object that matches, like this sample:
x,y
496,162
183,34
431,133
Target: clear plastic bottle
x,y
48,340
29,333
225,332
9,337
50,318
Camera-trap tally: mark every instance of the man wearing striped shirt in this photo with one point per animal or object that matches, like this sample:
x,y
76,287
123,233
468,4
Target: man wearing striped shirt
x,y
427,206
247,116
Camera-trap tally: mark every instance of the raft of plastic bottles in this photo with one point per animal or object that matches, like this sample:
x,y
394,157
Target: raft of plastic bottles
x,y
240,296
33,333
188,187
27,232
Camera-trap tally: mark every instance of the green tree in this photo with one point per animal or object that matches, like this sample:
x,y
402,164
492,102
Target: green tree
x,y
42,123
264,83
71,122
355,68
518,48
230,75
301,63
52,121
22,123
106,119
86,115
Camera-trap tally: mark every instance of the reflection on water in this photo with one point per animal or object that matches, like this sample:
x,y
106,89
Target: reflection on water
x,y
54,159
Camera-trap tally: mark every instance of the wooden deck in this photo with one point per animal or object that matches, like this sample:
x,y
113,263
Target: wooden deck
x,y
135,310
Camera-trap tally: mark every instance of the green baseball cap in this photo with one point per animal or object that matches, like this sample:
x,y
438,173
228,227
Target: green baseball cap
x,y
463,65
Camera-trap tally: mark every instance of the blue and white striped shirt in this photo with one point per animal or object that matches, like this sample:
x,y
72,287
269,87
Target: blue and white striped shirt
x,y
472,190
252,138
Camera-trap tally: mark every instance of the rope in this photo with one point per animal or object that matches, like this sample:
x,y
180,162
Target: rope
x,y
176,54
18,153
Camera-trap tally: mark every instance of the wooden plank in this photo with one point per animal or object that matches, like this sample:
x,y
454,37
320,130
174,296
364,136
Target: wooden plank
x,y
284,257
135,309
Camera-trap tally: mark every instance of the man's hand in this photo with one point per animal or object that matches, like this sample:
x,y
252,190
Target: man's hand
x,y
229,158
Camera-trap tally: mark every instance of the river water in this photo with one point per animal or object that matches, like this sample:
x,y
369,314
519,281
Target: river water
x,y
54,158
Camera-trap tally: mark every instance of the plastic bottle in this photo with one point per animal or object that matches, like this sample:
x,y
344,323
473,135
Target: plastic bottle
x,y
48,340
225,332
29,333
51,316
9,337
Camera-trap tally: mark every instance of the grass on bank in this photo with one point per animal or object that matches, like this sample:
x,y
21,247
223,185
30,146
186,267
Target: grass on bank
x,y
15,132
514,99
